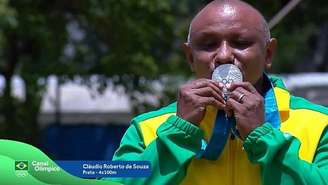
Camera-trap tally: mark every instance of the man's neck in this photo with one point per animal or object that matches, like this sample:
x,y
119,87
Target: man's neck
x,y
260,86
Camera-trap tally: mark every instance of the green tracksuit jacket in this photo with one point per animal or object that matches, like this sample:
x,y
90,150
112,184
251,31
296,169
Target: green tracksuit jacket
x,y
295,154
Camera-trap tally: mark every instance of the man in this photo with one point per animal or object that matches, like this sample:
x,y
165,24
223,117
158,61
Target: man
x,y
282,138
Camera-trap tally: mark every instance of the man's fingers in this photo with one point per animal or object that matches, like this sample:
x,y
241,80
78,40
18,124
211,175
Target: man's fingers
x,y
240,95
232,104
204,83
209,92
246,85
228,111
207,87
204,101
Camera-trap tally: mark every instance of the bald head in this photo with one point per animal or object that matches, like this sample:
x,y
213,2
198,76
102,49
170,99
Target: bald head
x,y
229,9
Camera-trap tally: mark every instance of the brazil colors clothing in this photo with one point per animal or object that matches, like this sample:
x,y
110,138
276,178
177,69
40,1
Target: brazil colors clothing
x,y
296,153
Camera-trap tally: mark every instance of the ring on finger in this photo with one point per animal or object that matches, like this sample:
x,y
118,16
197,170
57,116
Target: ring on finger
x,y
240,98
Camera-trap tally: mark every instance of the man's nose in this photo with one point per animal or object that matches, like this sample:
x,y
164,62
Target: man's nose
x,y
224,54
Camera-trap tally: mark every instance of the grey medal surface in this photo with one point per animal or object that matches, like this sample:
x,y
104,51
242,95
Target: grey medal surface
x,y
227,73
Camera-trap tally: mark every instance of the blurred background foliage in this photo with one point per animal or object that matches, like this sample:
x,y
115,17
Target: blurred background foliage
x,y
131,42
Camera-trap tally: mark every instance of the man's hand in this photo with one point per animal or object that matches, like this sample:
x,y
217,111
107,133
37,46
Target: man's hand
x,y
247,105
194,96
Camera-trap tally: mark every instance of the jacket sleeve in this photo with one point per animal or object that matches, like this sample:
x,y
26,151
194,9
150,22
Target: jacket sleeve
x,y
277,153
169,154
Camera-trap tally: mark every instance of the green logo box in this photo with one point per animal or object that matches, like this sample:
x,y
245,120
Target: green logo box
x,y
21,165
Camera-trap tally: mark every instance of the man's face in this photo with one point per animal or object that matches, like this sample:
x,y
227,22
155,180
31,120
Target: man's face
x,y
228,35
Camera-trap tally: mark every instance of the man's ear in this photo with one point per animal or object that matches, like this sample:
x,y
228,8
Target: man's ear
x,y
188,53
270,50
